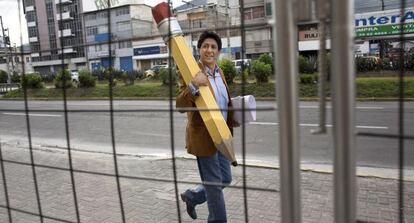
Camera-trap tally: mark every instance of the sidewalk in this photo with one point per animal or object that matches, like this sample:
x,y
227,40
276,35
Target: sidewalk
x,y
146,200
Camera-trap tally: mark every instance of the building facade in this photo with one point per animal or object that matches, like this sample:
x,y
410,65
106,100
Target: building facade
x,y
55,34
128,23
258,33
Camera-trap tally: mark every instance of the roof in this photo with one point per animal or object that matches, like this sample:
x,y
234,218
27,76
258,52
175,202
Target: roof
x,y
191,4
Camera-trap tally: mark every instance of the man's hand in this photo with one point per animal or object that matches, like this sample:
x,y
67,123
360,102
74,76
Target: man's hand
x,y
200,79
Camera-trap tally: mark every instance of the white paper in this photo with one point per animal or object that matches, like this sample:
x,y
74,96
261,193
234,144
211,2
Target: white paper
x,y
249,106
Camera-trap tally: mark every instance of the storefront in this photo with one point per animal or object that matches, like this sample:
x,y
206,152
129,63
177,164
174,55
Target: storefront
x,y
147,56
370,29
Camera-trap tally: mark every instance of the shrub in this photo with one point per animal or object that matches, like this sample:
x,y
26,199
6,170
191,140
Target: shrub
x,y
99,74
307,79
32,80
114,83
164,75
138,74
409,63
15,78
306,65
128,77
3,76
48,77
229,70
364,64
117,74
63,79
267,59
261,71
386,64
86,80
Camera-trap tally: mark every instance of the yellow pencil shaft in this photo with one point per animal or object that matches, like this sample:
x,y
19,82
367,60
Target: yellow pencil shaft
x,y
215,123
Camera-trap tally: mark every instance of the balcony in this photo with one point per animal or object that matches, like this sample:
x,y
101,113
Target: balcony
x,y
29,8
65,16
67,51
63,2
66,33
33,39
31,24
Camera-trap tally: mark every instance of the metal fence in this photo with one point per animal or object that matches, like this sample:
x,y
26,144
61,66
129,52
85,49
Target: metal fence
x,y
284,31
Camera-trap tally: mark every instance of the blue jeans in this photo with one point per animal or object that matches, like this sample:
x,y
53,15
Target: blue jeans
x,y
213,169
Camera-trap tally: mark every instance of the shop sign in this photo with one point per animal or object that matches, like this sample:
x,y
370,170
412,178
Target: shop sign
x,y
388,17
383,23
308,35
147,50
384,30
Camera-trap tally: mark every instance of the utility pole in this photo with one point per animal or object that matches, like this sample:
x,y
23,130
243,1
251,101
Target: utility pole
x,y
7,58
11,51
381,41
228,30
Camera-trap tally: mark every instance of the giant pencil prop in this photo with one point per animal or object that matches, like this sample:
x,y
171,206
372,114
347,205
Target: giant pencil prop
x,y
212,117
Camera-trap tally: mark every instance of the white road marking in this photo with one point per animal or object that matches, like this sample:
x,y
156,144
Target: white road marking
x,y
316,125
31,114
358,107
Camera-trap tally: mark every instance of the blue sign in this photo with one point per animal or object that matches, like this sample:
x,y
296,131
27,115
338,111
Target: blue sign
x,y
102,37
147,50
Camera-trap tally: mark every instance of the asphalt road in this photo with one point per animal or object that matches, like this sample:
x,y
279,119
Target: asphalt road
x,y
149,132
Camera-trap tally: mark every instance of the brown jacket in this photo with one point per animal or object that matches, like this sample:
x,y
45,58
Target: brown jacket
x,y
198,141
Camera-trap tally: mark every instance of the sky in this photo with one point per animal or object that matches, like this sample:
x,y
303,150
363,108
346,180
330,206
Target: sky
x,y
10,15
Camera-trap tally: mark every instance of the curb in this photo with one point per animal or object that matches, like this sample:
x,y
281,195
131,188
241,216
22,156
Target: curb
x,y
361,171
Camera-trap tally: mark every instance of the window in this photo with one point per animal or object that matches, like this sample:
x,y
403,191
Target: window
x,y
91,31
198,23
31,16
102,15
254,13
29,3
102,29
122,11
123,26
90,17
35,47
27,59
268,9
125,44
32,32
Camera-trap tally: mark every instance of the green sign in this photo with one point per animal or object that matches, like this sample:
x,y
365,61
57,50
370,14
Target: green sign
x,y
384,30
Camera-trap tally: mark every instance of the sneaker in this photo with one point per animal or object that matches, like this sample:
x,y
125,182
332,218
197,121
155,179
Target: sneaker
x,y
190,208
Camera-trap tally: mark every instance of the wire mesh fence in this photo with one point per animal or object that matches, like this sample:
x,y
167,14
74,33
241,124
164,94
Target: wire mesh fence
x,y
99,36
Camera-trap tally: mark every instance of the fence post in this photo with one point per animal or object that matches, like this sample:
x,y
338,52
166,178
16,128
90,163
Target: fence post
x,y
285,49
343,92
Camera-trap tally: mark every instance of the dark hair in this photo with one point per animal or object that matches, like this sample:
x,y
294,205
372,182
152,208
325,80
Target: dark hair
x,y
209,34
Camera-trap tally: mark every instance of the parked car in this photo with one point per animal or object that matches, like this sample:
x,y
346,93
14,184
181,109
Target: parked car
x,y
75,77
238,64
154,70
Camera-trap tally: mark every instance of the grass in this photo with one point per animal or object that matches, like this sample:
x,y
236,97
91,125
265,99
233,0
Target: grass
x,y
367,87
